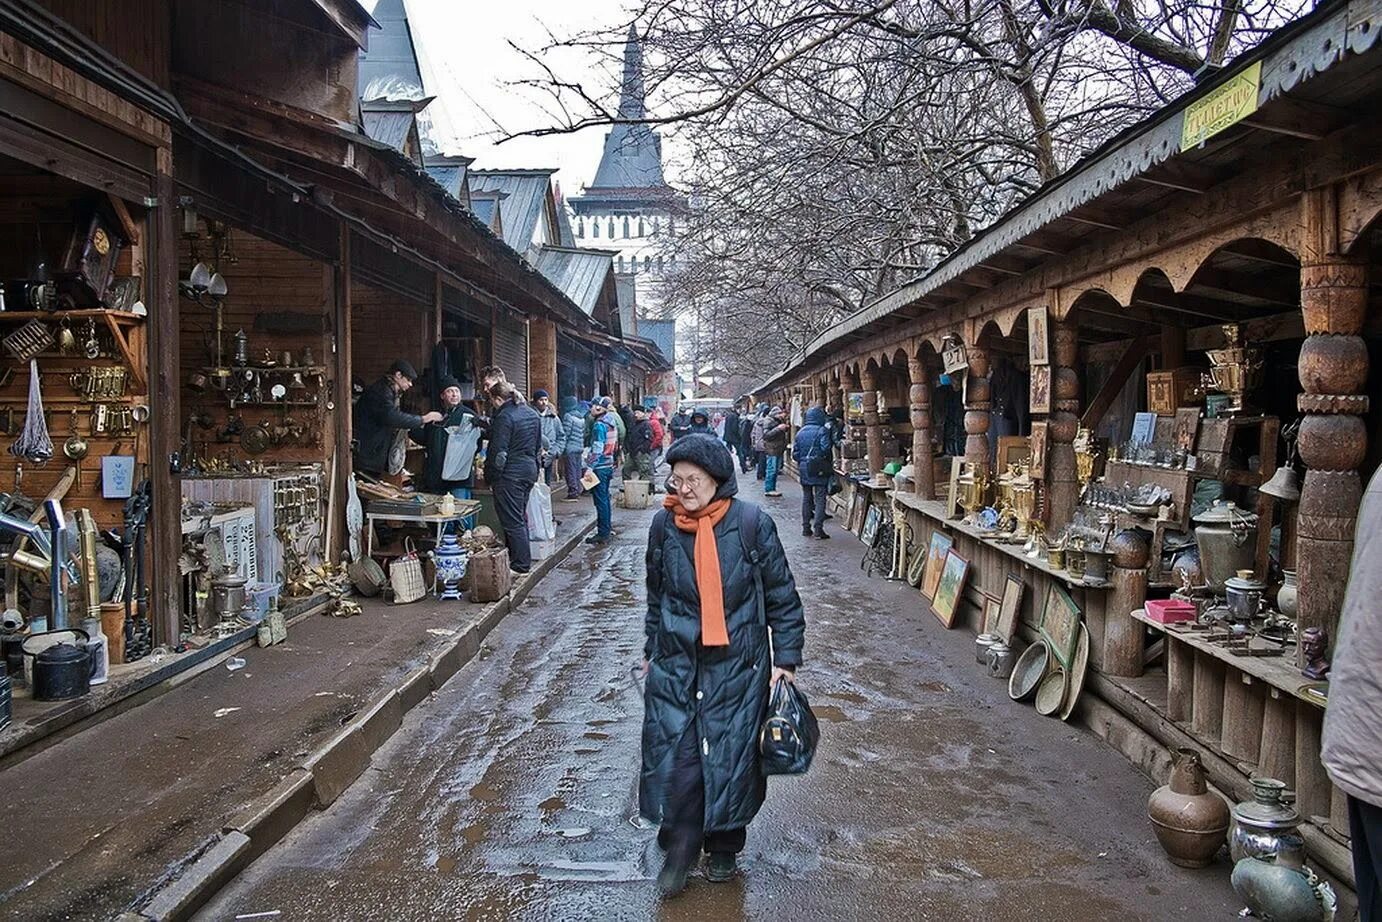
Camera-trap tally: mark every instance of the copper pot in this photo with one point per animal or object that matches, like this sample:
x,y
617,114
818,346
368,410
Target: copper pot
x,y
1189,820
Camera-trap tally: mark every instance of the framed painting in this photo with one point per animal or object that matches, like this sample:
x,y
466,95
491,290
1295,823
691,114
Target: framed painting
x,y
1038,343
952,583
1012,449
1060,624
1187,426
916,568
1008,607
952,499
935,562
992,607
1039,389
872,519
1038,441
857,509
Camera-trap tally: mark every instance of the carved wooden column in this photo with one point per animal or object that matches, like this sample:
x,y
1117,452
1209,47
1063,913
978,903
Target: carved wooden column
x,y
1123,644
1062,486
822,392
978,403
1333,441
868,379
923,471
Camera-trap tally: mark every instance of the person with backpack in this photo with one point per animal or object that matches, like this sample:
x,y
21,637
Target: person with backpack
x,y
724,623
775,434
572,445
815,470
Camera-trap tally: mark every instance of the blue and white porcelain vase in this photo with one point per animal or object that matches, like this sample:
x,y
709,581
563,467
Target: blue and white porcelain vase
x,y
451,561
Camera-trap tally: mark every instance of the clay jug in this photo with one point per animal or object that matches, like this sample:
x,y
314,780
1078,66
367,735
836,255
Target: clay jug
x,y
1189,820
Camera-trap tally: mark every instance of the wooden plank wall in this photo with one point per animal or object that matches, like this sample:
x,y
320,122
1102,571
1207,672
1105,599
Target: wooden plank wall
x,y
266,278
384,327
138,32
46,204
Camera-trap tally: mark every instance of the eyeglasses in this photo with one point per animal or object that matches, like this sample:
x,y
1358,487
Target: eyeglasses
x,y
692,483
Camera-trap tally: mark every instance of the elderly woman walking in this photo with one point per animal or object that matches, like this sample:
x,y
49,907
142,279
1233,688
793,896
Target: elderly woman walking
x,y
724,621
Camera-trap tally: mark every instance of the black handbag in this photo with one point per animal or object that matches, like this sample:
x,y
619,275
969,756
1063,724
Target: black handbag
x,y
788,738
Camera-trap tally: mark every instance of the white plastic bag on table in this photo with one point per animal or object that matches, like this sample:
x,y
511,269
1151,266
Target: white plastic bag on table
x,y
541,526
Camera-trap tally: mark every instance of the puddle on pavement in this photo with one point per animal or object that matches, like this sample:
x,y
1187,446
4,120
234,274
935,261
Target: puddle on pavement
x,y
586,750
934,686
473,834
600,723
552,804
848,696
484,793
831,713
574,832
446,864
595,735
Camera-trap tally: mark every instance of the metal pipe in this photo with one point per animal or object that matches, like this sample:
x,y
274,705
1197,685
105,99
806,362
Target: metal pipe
x,y
57,523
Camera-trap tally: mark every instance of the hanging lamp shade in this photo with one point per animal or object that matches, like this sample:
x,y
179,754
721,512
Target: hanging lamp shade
x,y
216,285
200,278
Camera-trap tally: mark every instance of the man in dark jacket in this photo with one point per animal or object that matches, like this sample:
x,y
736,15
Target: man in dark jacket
x,y
731,434
638,450
680,424
434,437
708,671
378,420
812,451
511,467
747,458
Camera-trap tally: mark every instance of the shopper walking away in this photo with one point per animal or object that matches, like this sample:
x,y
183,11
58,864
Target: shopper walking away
x,y
775,435
552,434
1352,749
511,468
604,443
815,470
747,459
711,641
638,453
732,435
572,445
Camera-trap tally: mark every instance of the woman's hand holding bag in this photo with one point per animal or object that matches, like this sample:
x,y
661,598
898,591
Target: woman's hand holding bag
x,y
788,738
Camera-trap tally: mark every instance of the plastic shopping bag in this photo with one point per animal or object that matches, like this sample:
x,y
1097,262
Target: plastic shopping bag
x,y
541,526
788,738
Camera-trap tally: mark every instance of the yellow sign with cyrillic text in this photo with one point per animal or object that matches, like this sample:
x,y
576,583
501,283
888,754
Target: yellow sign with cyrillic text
x,y
1227,105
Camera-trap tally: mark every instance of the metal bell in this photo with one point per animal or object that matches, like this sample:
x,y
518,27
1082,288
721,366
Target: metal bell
x,y
1284,485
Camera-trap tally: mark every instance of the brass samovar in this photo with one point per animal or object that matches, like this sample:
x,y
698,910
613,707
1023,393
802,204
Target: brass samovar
x,y
1234,370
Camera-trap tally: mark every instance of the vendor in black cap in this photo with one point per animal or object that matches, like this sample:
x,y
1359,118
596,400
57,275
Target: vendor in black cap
x,y
378,420
434,437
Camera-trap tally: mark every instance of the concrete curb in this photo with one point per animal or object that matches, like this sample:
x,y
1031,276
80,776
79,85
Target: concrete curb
x,y
327,773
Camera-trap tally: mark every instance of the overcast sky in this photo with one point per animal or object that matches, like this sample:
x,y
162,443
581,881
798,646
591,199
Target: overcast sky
x,y
468,64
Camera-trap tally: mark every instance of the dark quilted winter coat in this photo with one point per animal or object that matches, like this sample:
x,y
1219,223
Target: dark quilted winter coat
x,y
723,689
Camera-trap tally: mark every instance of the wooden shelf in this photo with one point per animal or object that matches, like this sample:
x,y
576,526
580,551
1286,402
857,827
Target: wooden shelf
x,y
85,314
1279,672
265,369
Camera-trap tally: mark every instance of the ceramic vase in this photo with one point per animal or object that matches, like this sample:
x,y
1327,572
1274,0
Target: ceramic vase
x,y
1189,820
451,561
1286,596
1283,891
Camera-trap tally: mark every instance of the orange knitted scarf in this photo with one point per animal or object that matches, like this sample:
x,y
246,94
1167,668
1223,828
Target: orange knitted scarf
x,y
706,557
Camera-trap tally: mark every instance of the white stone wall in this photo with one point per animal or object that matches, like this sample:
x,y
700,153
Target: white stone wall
x,y
643,241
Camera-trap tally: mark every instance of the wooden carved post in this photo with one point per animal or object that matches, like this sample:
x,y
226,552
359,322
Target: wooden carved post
x,y
822,392
1123,646
978,402
873,427
1333,440
923,471
1062,486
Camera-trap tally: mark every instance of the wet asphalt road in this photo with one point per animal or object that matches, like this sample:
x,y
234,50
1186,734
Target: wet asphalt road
x,y
509,794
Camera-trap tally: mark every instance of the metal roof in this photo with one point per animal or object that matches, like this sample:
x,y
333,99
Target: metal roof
x,y
580,274
450,173
526,194
1324,38
663,333
389,68
391,128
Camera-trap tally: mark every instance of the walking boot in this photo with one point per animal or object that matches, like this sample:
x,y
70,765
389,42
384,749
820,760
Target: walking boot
x,y
671,880
821,534
721,867
806,531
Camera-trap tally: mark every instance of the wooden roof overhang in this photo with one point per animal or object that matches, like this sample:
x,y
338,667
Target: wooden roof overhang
x,y
386,194
1139,201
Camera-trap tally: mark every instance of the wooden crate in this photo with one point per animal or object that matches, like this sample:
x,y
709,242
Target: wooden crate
x,y
489,575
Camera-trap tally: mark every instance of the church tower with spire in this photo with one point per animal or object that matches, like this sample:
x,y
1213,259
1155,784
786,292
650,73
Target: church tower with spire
x,y
629,208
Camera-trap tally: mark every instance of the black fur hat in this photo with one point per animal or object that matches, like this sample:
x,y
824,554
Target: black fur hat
x,y
706,452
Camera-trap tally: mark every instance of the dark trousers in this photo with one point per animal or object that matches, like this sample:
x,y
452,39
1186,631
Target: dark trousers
x,y
761,459
1365,825
683,835
813,507
511,505
573,474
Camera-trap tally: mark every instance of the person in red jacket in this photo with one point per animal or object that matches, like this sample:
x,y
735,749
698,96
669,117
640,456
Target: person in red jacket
x,y
659,436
